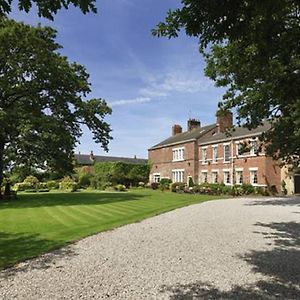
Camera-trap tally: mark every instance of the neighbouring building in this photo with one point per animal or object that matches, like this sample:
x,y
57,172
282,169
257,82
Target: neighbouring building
x,y
90,159
209,154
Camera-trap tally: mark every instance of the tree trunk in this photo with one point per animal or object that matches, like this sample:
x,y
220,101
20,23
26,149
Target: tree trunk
x,y
1,165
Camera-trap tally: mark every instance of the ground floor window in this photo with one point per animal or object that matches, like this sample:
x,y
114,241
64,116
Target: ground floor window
x,y
214,177
227,177
156,177
253,177
178,175
239,177
204,177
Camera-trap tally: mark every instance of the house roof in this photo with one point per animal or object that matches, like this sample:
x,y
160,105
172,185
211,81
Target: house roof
x,y
185,136
85,159
237,133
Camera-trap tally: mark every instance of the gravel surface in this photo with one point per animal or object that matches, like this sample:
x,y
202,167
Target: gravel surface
x,y
225,249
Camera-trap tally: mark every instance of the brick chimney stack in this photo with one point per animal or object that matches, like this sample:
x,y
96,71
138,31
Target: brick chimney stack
x,y
192,124
176,129
224,121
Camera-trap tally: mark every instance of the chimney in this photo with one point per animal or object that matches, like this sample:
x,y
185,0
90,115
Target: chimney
x,y
176,129
224,120
192,124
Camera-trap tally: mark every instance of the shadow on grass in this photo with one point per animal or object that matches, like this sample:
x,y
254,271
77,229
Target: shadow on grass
x,y
66,199
280,266
295,201
17,247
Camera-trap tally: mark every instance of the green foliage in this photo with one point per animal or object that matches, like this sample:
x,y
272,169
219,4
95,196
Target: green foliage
x,y
121,173
46,8
154,185
165,182
85,180
120,188
43,101
68,184
252,49
191,182
178,186
21,186
52,185
283,187
31,181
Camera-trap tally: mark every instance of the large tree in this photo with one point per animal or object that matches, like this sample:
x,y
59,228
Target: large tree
x,y
43,101
253,49
47,8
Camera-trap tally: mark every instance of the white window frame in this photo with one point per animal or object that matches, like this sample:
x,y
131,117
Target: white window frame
x,y
156,177
224,146
213,178
252,177
253,150
178,175
214,151
227,171
241,178
178,154
204,157
237,145
204,173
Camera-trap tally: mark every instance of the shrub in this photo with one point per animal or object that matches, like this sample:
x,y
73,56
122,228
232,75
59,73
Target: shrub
x,y
178,186
141,184
68,184
120,188
52,185
247,188
85,180
31,181
165,182
191,182
154,185
42,186
19,187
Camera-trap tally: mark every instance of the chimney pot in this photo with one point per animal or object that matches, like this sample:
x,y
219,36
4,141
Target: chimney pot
x,y
192,124
176,129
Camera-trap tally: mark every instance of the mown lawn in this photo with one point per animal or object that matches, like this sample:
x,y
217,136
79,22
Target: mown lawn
x,y
37,223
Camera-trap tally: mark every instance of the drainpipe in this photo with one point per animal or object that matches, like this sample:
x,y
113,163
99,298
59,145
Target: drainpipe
x,y
232,163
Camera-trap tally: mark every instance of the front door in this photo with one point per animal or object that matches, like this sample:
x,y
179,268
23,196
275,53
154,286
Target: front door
x,y
297,184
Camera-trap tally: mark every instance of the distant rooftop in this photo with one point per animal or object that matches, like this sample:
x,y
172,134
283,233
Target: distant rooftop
x,y
89,159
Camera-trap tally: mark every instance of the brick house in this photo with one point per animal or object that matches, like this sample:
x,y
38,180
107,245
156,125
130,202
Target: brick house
x,y
208,154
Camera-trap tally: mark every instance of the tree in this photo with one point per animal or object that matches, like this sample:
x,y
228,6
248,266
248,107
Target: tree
x,y
42,101
47,8
252,48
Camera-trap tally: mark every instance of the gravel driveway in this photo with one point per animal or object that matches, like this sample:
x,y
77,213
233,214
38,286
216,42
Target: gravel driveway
x,y
225,249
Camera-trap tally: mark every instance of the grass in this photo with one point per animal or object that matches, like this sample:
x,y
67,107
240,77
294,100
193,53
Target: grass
x,y
37,223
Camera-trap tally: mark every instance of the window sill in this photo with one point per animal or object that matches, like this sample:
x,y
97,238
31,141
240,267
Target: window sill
x,y
178,160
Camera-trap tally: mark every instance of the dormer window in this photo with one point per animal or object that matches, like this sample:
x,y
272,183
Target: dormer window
x,y
178,154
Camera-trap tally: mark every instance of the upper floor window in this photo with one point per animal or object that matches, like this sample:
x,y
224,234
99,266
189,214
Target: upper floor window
x,y
215,154
239,149
253,149
204,155
226,153
178,154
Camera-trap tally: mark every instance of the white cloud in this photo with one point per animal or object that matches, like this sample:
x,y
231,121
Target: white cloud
x,y
130,101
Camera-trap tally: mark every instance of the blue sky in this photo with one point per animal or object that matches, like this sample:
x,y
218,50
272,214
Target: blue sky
x,y
150,83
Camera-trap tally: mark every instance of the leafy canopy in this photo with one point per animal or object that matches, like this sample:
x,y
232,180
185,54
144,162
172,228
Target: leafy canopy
x,y
252,48
43,101
47,8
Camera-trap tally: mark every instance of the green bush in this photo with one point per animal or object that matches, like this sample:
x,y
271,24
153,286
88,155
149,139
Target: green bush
x,y
191,182
42,186
68,184
85,180
154,185
19,187
52,185
248,189
178,186
165,183
31,181
120,188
